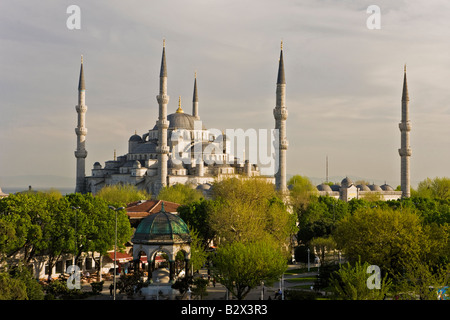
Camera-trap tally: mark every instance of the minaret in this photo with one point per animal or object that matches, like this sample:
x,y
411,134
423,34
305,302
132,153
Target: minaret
x,y
81,132
280,114
195,100
405,150
162,123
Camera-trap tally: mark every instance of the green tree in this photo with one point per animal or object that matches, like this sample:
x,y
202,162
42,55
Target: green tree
x,y
96,225
350,283
120,195
196,214
250,210
241,267
302,191
180,193
384,237
438,188
11,289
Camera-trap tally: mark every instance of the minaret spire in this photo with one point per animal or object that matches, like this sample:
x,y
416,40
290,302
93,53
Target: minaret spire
x,y
162,124
405,150
195,99
81,131
280,114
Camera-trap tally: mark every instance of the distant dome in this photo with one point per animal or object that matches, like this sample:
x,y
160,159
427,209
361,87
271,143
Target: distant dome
x,y
205,187
323,187
346,182
386,187
161,228
363,187
374,187
135,138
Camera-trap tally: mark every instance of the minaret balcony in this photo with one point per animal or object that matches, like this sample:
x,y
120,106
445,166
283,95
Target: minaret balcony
x,y
405,126
284,144
163,124
80,154
81,109
81,131
405,152
280,113
162,98
162,149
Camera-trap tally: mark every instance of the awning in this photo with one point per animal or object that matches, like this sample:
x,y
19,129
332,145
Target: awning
x,y
121,257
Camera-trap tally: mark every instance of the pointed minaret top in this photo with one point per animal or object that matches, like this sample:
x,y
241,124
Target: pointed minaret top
x,y
281,79
405,95
195,96
81,84
163,72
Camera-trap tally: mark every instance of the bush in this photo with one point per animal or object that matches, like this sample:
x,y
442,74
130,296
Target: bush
x,y
97,287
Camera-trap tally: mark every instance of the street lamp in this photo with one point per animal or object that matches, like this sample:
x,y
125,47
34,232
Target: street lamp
x,y
76,235
308,259
115,246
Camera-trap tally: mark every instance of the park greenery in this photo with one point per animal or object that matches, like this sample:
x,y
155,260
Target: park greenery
x,y
254,230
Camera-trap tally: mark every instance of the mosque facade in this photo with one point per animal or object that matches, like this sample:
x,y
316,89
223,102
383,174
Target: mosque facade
x,y
177,149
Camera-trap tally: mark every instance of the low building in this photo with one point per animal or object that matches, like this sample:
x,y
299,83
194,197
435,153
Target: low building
x,y
347,190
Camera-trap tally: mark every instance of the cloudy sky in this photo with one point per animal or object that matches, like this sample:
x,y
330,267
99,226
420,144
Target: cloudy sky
x,y
344,80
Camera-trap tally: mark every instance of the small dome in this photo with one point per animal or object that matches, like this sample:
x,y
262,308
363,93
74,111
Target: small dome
x,y
346,182
374,187
161,227
177,164
386,187
97,165
136,164
135,138
363,187
323,187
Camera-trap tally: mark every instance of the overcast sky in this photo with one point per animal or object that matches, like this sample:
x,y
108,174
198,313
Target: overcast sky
x,y
343,92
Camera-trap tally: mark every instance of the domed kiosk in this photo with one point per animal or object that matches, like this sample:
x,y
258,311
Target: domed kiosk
x,y
161,232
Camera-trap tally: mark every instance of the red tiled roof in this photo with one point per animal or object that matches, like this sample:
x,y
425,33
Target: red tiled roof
x,y
141,209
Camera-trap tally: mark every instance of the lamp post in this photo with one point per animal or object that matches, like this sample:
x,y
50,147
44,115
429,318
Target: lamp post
x,y
308,259
76,234
115,247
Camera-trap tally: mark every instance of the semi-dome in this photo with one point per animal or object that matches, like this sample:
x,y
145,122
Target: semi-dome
x,y
162,227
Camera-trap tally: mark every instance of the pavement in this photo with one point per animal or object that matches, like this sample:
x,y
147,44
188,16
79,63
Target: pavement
x,y
217,292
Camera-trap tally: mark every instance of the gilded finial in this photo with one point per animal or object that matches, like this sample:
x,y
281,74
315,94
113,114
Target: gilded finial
x,y
115,158
281,46
135,131
81,59
164,43
404,68
195,74
179,110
